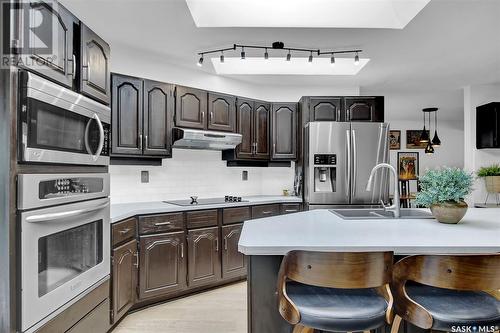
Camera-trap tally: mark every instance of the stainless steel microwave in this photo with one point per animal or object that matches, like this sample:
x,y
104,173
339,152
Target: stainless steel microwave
x,y
57,125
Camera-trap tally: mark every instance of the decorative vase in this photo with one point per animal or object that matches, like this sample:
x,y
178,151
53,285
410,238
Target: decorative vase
x,y
450,212
492,184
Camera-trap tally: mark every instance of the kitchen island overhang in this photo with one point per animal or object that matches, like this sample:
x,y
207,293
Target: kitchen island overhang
x,y
265,241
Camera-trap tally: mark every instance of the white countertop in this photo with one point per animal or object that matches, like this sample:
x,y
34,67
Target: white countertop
x,y
321,230
125,210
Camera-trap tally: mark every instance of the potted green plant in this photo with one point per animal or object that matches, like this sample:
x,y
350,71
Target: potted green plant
x,y
491,175
443,191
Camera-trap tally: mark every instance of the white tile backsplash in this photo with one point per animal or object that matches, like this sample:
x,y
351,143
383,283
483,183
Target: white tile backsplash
x,y
195,172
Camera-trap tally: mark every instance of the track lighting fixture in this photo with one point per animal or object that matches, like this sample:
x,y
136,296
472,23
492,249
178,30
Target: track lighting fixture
x,y
279,46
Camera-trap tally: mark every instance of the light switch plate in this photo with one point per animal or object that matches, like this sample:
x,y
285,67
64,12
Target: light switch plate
x,y
144,176
244,175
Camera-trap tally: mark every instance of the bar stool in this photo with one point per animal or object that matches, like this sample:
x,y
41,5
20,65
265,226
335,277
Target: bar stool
x,y
334,291
440,291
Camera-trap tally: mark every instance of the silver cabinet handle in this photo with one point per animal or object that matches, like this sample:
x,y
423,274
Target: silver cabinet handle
x,y
348,169
159,224
125,231
225,243
136,259
217,244
274,148
62,215
211,115
73,65
182,250
291,210
202,117
354,163
85,69
140,142
145,142
267,212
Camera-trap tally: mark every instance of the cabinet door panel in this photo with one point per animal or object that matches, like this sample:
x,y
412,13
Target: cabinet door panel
x,y
261,130
57,66
127,115
190,108
233,262
244,111
221,112
284,131
326,109
162,267
158,105
124,278
203,256
364,109
94,66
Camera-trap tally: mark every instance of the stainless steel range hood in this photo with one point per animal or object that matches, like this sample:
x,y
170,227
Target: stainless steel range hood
x,y
198,139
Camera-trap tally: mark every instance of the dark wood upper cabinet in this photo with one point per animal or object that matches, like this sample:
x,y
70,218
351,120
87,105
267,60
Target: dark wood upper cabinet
x,y
244,112
162,265
325,109
124,278
190,107
364,109
233,262
221,112
60,66
203,256
127,115
261,130
284,131
158,106
488,126
94,65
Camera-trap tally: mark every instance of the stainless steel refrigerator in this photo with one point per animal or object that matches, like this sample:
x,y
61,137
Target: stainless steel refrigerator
x,y
338,159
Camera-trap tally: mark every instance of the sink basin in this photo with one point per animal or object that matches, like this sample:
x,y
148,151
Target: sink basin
x,y
379,214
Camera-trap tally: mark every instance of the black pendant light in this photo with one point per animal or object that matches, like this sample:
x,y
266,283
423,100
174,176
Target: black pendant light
x,y
429,149
436,142
424,135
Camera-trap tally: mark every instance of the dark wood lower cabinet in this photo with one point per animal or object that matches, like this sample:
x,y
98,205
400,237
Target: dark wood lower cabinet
x,y
162,268
233,262
124,278
203,256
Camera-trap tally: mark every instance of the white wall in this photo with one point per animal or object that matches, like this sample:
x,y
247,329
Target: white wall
x,y
474,158
195,172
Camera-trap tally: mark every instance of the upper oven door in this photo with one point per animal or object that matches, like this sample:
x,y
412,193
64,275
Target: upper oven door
x,y
61,126
65,250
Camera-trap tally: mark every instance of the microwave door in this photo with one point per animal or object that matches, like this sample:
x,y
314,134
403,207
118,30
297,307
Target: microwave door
x,y
370,146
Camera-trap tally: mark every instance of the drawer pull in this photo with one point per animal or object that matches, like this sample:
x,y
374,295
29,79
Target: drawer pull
x,y
182,250
267,212
217,245
159,224
136,255
291,210
125,231
225,243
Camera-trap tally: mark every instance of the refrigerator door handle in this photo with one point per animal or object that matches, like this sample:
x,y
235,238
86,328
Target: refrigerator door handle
x,y
354,163
348,169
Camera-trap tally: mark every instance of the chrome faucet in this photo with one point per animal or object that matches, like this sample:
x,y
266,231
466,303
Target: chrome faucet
x,y
395,207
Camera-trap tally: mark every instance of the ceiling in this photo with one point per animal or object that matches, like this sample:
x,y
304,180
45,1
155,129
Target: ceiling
x,y
448,45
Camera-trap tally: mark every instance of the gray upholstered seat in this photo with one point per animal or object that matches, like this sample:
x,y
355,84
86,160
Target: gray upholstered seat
x,y
456,308
338,310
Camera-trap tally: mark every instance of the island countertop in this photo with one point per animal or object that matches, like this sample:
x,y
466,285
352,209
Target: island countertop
x,y
321,230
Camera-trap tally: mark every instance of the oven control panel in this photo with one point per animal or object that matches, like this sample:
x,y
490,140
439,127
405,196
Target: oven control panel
x,y
61,187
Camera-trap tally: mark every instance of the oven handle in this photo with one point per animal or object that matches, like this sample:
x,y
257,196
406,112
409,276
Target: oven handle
x,y
101,138
58,216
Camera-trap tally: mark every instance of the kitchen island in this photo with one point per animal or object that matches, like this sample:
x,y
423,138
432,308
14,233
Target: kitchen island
x,y
265,241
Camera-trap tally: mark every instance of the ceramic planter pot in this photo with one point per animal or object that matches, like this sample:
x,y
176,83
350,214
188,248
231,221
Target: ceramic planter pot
x,y
492,184
449,212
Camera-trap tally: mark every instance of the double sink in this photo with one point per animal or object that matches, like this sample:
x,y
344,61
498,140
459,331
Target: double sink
x,y
380,214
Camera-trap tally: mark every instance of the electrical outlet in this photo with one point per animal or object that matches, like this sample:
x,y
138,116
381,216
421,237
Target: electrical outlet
x,y
144,176
244,175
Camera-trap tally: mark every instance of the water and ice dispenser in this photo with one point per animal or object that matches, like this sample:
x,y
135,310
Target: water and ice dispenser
x,y
325,172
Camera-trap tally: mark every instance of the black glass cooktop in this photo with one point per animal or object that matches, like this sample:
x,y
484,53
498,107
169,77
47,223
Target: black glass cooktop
x,y
207,201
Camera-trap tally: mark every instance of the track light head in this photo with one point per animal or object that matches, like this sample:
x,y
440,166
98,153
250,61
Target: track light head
x,y
222,57
200,61
243,53
266,55
356,59
332,60
310,58
288,56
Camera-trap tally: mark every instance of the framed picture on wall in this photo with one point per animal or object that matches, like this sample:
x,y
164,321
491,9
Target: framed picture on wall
x,y
395,140
408,165
413,139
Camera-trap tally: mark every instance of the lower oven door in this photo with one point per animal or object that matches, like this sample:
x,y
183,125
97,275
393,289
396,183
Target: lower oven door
x,y
65,251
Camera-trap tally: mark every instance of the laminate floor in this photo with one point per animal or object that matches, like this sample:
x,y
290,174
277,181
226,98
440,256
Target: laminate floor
x,y
222,310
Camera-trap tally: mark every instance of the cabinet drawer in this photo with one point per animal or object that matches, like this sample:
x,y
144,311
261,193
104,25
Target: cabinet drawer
x,y
235,215
290,208
202,218
161,223
123,231
265,211
95,321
